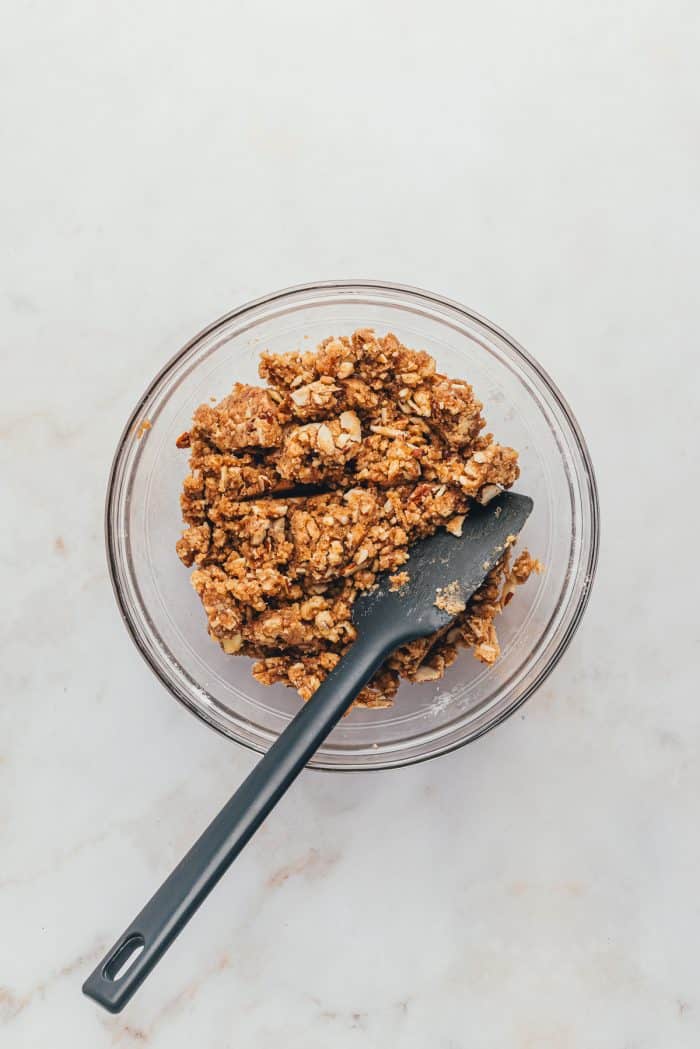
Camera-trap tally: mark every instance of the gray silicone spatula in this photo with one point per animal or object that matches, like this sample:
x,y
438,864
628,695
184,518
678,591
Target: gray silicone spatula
x,y
443,564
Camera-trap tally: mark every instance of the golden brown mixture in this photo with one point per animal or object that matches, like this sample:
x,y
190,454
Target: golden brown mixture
x,y
449,598
300,492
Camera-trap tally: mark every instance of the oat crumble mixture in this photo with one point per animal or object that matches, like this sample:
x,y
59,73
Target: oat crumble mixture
x,y
302,490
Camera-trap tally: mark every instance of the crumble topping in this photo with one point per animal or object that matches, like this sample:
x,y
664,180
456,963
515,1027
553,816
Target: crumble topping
x,y
398,580
449,598
301,491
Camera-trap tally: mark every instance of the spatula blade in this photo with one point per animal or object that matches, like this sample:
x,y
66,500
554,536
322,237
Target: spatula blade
x,y
444,567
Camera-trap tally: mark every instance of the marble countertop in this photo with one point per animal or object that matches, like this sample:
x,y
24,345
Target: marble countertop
x,y
539,888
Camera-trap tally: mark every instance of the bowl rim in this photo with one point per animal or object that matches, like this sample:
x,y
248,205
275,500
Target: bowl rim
x,y
438,300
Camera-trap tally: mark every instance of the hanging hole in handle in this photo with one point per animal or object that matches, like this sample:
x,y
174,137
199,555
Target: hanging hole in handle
x,y
124,958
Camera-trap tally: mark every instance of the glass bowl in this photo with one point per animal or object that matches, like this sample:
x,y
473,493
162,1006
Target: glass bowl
x,y
522,407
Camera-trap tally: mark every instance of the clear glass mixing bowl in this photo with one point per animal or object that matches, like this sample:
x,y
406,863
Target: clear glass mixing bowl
x,y
523,408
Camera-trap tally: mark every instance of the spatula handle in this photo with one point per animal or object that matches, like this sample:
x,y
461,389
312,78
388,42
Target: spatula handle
x,y
114,981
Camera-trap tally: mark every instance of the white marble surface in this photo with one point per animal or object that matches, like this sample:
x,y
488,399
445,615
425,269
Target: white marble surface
x,y
164,162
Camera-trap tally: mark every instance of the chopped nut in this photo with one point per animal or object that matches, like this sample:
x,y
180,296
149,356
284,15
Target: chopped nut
x,y
507,593
350,422
324,439
487,493
388,431
233,644
426,673
421,399
454,525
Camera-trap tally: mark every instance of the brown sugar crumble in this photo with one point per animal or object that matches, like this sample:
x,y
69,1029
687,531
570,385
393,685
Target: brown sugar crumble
x,y
449,598
301,491
398,580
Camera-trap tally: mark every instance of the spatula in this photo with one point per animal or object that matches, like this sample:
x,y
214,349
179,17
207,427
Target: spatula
x,y
444,568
